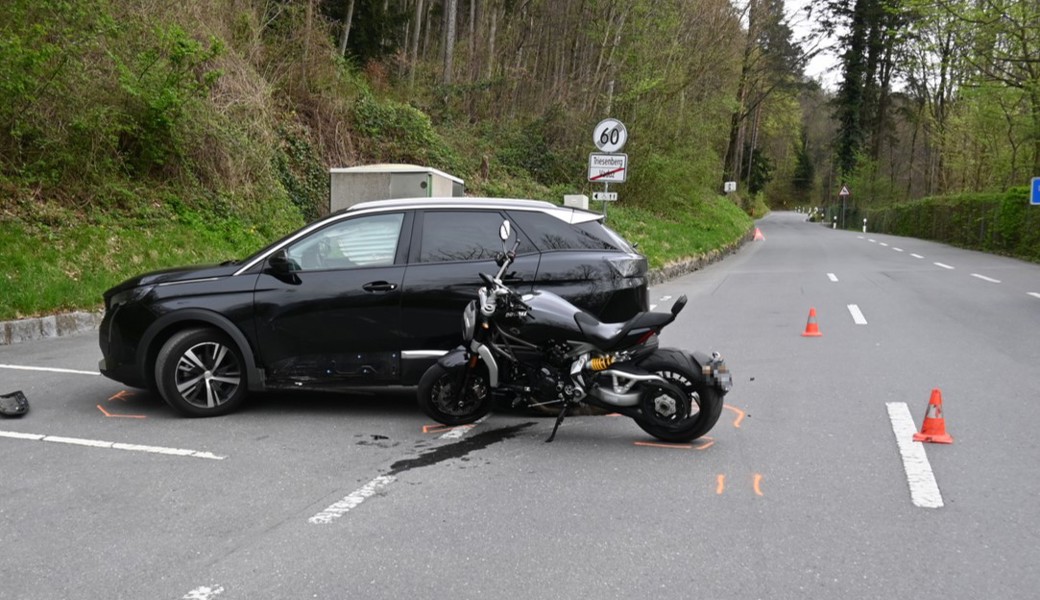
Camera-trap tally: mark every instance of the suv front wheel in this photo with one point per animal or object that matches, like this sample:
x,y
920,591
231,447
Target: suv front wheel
x,y
199,372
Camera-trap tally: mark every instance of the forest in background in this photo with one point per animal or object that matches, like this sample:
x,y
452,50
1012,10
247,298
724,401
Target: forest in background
x,y
222,117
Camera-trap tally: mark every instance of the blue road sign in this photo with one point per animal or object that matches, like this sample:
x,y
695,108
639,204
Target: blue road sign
x,y
1034,195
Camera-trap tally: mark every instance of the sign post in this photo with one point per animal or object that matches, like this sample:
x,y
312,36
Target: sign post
x,y
844,194
608,166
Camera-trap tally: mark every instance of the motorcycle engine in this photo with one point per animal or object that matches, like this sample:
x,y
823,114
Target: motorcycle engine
x,y
556,354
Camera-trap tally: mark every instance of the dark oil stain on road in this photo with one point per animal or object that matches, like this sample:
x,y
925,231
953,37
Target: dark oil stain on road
x,y
459,449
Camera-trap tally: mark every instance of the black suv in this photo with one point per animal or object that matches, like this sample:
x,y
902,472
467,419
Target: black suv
x,y
370,295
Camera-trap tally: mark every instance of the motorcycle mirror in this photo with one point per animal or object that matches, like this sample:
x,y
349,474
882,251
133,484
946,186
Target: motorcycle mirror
x,y
505,231
678,306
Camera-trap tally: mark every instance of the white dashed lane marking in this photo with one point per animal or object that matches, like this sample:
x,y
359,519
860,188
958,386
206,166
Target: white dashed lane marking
x,y
857,315
939,264
924,491
984,278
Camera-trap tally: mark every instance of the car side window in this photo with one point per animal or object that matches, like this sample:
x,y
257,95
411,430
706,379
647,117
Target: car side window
x,y
463,235
550,233
367,241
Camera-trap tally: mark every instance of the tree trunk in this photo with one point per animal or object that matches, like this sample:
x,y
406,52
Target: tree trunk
x,y
450,13
416,31
347,19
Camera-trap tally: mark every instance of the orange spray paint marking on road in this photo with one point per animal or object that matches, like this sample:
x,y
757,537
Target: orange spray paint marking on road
x,y
708,443
720,484
673,446
121,395
740,415
118,416
758,484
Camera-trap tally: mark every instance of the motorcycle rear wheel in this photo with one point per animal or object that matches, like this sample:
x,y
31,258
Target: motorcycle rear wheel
x,y
676,367
440,399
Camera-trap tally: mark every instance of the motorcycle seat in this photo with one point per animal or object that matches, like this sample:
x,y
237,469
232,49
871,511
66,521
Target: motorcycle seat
x,y
608,335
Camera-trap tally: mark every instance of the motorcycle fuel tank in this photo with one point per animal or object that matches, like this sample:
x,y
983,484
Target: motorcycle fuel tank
x,y
550,317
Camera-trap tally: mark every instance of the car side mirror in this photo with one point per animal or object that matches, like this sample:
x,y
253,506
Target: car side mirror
x,y
284,268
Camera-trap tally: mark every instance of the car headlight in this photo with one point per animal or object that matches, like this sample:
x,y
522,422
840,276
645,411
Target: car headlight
x,y
130,295
469,321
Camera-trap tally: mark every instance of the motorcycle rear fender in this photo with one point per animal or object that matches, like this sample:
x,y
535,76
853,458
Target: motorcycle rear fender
x,y
459,357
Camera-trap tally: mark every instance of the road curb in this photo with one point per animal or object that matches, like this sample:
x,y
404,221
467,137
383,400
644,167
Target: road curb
x,y
27,330
671,271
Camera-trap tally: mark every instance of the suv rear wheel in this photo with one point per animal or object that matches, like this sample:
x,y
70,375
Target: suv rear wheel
x,y
199,373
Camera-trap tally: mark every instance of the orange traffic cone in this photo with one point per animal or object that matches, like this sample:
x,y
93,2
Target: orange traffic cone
x,y
758,235
934,427
811,328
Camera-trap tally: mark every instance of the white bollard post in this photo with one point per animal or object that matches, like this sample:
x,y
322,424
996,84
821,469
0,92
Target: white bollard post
x,y
864,225
835,224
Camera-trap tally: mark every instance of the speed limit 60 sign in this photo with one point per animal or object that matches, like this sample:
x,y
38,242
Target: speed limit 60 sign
x,y
610,135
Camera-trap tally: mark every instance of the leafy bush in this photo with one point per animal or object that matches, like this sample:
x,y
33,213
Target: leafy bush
x,y
994,222
397,132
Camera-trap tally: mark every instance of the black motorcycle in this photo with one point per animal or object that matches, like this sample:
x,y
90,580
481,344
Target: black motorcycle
x,y
538,349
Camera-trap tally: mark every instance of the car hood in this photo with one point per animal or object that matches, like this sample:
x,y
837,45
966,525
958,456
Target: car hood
x,y
175,275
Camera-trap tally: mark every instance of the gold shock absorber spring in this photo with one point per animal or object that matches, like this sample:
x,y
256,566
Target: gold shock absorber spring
x,y
601,362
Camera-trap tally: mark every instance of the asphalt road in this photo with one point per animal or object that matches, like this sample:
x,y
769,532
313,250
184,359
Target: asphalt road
x,y
801,490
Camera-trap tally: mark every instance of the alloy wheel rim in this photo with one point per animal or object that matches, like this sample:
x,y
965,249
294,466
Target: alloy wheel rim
x,y
207,375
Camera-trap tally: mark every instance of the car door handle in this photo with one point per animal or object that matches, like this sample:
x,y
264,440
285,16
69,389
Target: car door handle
x,y
379,286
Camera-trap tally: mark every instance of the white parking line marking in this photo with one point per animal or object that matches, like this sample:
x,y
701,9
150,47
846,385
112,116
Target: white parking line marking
x,y
832,277
857,315
17,435
351,500
1034,294
205,592
984,278
49,370
924,491
942,265
916,255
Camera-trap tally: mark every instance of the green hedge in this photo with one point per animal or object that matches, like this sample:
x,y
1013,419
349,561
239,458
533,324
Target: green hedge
x,y
1004,223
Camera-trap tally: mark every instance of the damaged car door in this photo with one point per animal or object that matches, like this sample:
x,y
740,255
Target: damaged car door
x,y
328,306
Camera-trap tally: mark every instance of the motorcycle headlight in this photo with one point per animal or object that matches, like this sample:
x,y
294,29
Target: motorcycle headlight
x,y
469,321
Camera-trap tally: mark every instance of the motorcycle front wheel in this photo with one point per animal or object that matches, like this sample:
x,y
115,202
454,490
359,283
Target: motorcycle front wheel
x,y
455,396
659,417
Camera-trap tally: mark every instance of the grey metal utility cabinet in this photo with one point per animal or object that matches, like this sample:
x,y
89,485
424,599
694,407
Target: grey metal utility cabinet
x,y
348,186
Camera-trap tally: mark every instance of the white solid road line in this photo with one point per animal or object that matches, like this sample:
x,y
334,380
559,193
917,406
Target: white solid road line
x,y
984,278
18,435
49,370
857,315
924,491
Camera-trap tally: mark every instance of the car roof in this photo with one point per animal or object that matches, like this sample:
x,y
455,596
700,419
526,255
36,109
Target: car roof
x,y
564,213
